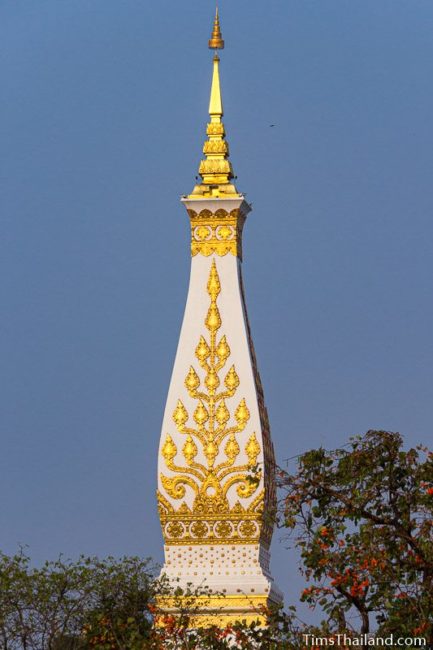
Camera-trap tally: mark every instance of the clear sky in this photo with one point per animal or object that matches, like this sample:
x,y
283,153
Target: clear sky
x,y
102,118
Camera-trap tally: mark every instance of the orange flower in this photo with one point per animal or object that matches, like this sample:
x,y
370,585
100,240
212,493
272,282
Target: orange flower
x,y
324,531
419,630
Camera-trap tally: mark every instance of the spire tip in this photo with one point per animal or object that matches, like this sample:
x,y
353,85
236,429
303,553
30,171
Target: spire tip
x,y
216,40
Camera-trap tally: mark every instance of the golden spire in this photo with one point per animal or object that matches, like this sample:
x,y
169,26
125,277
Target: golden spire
x,y
216,40
216,102
215,170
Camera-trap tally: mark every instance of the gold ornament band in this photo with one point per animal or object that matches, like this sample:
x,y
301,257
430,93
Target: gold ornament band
x,y
219,610
217,232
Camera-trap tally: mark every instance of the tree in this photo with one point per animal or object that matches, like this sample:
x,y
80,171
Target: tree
x,y
282,630
68,605
110,604
362,518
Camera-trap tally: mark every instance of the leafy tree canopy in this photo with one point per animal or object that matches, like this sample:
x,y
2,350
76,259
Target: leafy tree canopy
x,y
362,517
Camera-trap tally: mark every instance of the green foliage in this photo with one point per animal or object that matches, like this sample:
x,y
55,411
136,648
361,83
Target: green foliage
x,y
68,605
362,518
109,604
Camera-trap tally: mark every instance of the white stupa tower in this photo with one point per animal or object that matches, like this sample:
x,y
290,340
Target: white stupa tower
x,y
216,492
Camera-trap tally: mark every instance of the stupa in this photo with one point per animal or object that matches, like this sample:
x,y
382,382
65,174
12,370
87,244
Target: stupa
x,y
216,491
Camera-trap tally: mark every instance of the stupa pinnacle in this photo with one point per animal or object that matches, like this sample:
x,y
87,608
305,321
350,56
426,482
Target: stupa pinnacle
x,y
216,492
215,170
216,40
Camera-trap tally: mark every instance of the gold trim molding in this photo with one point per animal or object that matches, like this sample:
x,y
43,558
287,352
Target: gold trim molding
x,y
217,232
219,610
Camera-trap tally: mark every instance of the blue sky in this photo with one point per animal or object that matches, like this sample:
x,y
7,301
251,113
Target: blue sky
x,y
102,121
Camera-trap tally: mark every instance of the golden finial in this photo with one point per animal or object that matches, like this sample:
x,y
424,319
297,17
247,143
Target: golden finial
x,y
216,40
215,169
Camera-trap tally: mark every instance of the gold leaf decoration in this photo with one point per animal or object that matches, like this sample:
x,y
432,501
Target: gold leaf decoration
x,y
202,350
200,414
175,487
217,232
169,449
180,415
209,515
189,450
231,380
223,350
222,413
242,414
252,449
232,448
192,380
213,319
212,381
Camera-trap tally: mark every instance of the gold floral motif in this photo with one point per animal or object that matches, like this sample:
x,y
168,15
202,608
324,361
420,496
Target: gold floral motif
x,y
219,232
252,449
202,233
247,528
175,529
215,128
199,529
210,436
224,232
226,527
223,529
215,167
218,146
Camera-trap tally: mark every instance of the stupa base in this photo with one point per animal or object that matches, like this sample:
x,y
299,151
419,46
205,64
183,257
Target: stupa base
x,y
215,610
